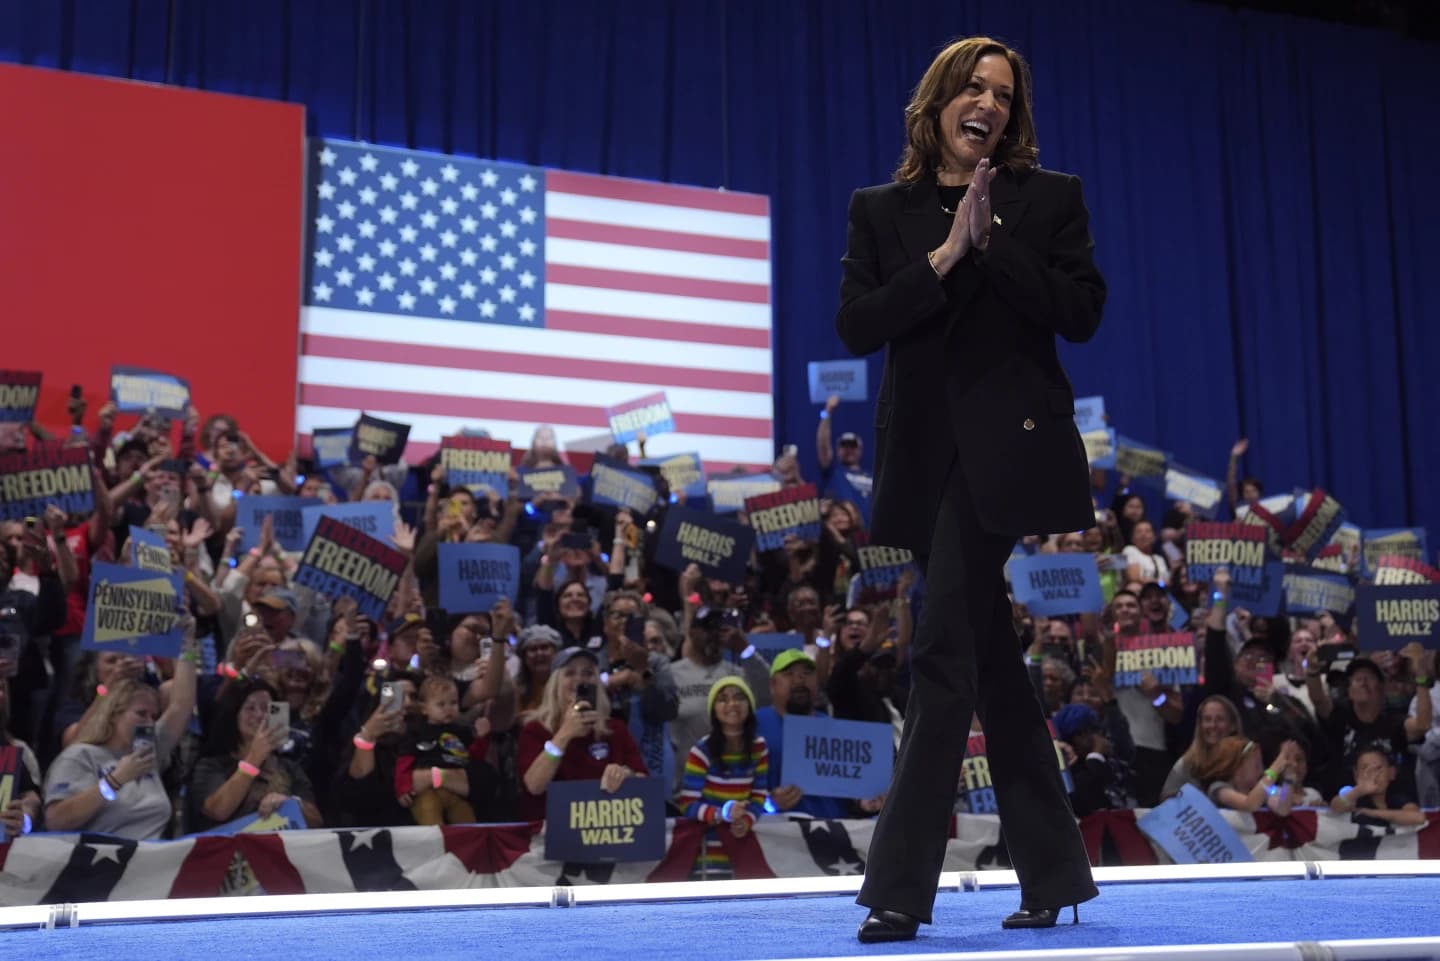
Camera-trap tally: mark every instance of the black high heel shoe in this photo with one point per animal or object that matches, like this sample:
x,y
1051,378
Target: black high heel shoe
x,y
882,925
1039,917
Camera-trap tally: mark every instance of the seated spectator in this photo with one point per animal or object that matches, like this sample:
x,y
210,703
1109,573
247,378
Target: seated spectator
x,y
108,780
434,776
1235,777
794,690
1216,720
239,772
1292,778
1376,791
725,773
1096,690
1102,782
701,665
22,814
365,789
1057,680
572,737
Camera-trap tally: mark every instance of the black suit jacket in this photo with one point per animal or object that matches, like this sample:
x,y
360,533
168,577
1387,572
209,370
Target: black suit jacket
x,y
970,365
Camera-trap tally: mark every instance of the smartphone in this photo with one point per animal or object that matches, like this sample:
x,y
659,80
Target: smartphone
x,y
635,629
1265,674
391,700
76,392
487,645
252,619
143,737
280,716
575,541
585,692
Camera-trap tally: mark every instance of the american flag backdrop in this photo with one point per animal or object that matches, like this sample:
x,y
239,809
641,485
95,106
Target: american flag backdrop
x,y
446,293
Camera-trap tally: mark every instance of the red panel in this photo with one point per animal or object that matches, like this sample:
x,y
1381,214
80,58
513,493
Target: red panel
x,y
153,226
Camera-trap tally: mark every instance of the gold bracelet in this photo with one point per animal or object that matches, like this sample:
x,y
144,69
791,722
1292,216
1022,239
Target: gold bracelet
x,y
930,259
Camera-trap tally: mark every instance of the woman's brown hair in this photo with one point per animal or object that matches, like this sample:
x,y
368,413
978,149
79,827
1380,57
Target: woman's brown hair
x,y
946,76
1225,761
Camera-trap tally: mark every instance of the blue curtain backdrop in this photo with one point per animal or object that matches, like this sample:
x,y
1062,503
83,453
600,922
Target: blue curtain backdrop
x,y
1261,187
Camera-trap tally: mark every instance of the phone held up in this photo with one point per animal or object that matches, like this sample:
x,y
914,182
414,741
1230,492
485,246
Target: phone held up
x,y
143,738
585,693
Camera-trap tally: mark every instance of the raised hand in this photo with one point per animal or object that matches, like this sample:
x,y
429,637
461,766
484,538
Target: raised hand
x,y
977,202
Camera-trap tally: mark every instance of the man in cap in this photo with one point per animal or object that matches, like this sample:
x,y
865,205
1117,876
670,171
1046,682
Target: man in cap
x,y
794,690
851,481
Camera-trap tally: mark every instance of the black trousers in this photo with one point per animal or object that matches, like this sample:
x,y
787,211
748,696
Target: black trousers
x,y
966,658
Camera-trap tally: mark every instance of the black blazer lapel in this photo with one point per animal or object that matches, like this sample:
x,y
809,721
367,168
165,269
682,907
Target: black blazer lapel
x,y
922,224
1007,206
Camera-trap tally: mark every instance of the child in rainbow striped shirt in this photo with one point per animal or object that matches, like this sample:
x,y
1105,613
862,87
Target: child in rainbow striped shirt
x,y
725,774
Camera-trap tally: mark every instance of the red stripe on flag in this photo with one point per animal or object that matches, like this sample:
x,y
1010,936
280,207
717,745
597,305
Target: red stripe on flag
x,y
658,239
535,412
1427,842
657,329
272,867
540,365
657,284
648,192
203,871
417,450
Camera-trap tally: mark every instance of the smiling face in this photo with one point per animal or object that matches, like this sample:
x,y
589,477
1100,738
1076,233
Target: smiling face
x,y
1143,536
1215,724
574,601
253,715
142,709
1126,608
972,123
732,707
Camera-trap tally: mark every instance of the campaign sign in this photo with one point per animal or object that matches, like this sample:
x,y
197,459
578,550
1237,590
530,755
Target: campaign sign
x,y
728,494
721,547
209,657
1404,570
1191,830
137,390
842,378
650,414
977,787
1391,542
476,463
11,762
341,561
617,485
586,825
1100,447
133,611
376,518
1139,460
771,645
1347,538
19,393
287,817
1170,657
49,474
1210,545
542,482
382,439
1309,591
1388,618
827,757
474,576
1054,584
287,516
683,472
1201,492
790,511
880,570
331,446
1262,594
1089,414
1318,518
148,551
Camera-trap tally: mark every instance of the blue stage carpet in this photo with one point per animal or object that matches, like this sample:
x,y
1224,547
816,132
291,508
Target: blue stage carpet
x,y
1124,915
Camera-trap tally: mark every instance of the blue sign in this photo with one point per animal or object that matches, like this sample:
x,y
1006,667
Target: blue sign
x,y
683,472
1309,591
1261,591
1100,447
1201,492
721,547
287,519
331,446
133,611
148,550
843,378
287,817
476,463
615,484
474,576
376,518
770,645
728,494
381,439
209,659
650,415
1139,461
548,482
30,480
1089,414
1408,542
586,825
1387,618
137,390
19,393
1054,584
343,561
1191,831
845,759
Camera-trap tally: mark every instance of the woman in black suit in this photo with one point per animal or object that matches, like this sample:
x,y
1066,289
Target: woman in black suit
x,y
965,269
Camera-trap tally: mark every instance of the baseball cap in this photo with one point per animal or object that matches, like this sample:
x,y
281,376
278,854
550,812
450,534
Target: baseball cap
x,y
730,680
1364,664
569,654
1073,719
849,439
539,634
786,658
279,599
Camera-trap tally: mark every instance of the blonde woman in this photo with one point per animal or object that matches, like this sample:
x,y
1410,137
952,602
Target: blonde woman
x,y
1217,719
571,735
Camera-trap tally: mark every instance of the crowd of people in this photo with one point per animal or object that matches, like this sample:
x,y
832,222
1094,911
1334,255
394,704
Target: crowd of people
x,y
609,666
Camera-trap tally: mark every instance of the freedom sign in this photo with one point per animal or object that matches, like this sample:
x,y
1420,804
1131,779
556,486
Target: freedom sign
x,y
650,414
1318,520
1404,570
842,378
19,393
880,570
1391,542
1210,545
788,512
615,484
287,519
476,462
341,561
721,547
383,440
827,757
49,474
376,518
1170,657
133,611
728,494
1054,584
977,786
1388,618
586,825
137,390
1191,831
474,576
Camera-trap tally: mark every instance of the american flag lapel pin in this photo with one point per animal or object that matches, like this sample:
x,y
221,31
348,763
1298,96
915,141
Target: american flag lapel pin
x,y
998,221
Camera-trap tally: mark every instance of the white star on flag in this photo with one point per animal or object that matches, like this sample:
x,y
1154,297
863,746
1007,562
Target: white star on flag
x,y
387,248
388,214
489,178
407,267
409,167
508,196
449,173
487,275
408,234
429,187
527,184
428,220
389,182
470,191
469,224
347,209
368,195
488,210
104,852
343,277
363,839
345,242
468,257
428,252
323,257
507,261
326,190
449,206
365,296
409,201
407,301
366,262
322,291
507,229
447,305
448,271
427,286
369,163
488,243
527,313
347,177
327,157
386,281
527,248
507,294
487,308
467,290
367,229
527,215
527,279
324,224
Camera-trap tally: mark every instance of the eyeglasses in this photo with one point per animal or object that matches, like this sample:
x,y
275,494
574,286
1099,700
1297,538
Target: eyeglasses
x,y
619,615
